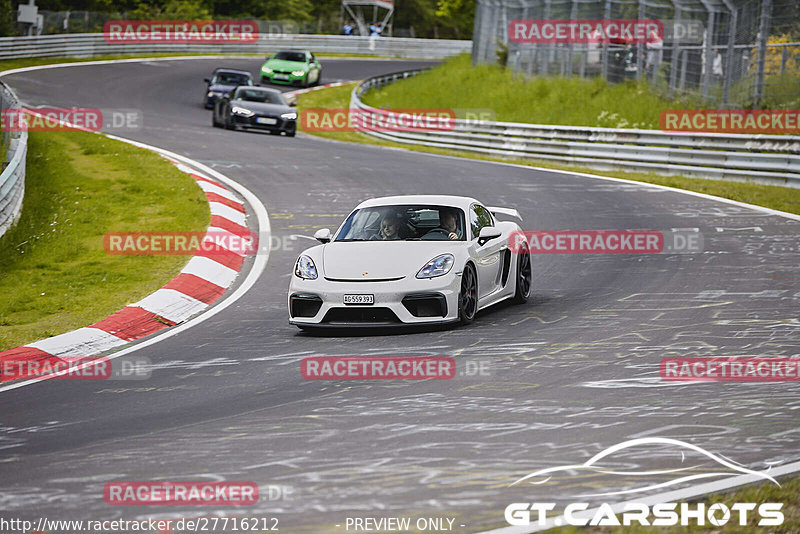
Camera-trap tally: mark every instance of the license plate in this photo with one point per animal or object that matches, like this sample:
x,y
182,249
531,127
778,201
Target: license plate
x,y
359,299
266,120
281,76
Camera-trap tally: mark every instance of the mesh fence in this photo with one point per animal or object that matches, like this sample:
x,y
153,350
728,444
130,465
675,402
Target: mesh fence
x,y
725,53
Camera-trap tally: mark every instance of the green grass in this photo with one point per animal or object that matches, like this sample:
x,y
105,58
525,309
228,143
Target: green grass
x,y
779,198
456,84
54,273
788,494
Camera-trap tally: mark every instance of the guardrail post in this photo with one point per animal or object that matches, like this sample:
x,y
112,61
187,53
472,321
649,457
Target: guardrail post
x,y
763,35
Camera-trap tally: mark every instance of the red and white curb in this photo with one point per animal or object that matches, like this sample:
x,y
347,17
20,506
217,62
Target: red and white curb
x,y
200,283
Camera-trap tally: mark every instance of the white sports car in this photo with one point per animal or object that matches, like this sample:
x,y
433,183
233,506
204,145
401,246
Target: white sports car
x,y
409,260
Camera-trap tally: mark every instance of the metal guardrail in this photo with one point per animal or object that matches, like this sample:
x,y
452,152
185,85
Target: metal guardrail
x,y
12,179
766,159
94,44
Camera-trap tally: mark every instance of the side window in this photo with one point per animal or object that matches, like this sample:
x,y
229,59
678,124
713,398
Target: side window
x,y
478,218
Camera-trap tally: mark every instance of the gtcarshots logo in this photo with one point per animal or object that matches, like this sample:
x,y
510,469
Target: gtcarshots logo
x,y
616,461
659,515
163,492
180,31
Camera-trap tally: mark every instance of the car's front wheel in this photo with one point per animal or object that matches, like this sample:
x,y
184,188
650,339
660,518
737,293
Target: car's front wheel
x,y
524,277
468,296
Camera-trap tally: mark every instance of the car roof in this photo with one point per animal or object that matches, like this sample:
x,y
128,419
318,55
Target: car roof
x,y
294,51
436,200
234,71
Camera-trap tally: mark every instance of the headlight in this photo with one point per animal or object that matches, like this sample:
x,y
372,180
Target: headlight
x,y
438,266
266,70
241,111
298,73
305,268
212,93
289,116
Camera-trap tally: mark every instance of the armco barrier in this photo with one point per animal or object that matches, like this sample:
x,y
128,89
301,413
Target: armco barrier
x,y
94,44
767,159
12,179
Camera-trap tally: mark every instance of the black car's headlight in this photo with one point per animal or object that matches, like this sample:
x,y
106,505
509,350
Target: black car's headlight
x,y
305,268
289,116
438,266
236,110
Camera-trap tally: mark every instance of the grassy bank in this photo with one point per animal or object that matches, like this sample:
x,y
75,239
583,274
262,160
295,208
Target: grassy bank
x,y
788,494
456,84
779,198
54,273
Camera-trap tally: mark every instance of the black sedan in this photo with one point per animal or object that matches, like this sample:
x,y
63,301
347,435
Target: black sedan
x,y
222,82
257,108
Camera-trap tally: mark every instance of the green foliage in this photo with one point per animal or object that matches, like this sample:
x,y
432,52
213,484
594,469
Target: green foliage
x,y
173,10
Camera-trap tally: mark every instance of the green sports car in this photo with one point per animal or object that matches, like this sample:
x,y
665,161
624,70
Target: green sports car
x,y
292,68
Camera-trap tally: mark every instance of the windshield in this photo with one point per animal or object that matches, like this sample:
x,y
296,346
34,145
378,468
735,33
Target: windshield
x,y
404,223
291,56
231,78
259,95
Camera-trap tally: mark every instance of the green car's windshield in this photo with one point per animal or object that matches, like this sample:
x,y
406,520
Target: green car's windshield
x,y
404,223
291,56
258,95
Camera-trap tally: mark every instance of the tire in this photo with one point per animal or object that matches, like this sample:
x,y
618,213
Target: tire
x,y
214,122
229,124
523,281
468,296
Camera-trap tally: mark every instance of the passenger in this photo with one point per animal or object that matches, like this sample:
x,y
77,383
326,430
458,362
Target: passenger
x,y
391,226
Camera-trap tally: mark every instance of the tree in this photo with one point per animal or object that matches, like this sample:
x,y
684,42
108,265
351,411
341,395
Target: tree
x,y
459,15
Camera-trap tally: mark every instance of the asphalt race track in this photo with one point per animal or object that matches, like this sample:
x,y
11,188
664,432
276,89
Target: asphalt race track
x,y
572,372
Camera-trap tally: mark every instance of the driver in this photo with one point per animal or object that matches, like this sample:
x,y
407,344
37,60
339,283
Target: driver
x,y
448,222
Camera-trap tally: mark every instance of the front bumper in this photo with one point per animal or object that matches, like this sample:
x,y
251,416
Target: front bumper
x,y
281,125
276,78
409,301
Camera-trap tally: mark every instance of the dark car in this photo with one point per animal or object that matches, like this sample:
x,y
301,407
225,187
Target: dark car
x,y
222,82
258,108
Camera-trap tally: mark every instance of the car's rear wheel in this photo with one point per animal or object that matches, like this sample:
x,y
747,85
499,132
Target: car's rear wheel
x,y
468,296
524,276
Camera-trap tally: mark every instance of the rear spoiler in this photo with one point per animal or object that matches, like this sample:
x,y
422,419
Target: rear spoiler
x,y
509,212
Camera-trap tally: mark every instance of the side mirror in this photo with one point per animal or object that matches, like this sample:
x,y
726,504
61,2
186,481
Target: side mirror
x,y
267,58
207,80
488,233
293,104
323,235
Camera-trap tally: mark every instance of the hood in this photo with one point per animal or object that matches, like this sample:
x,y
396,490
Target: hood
x,y
380,259
285,65
260,107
